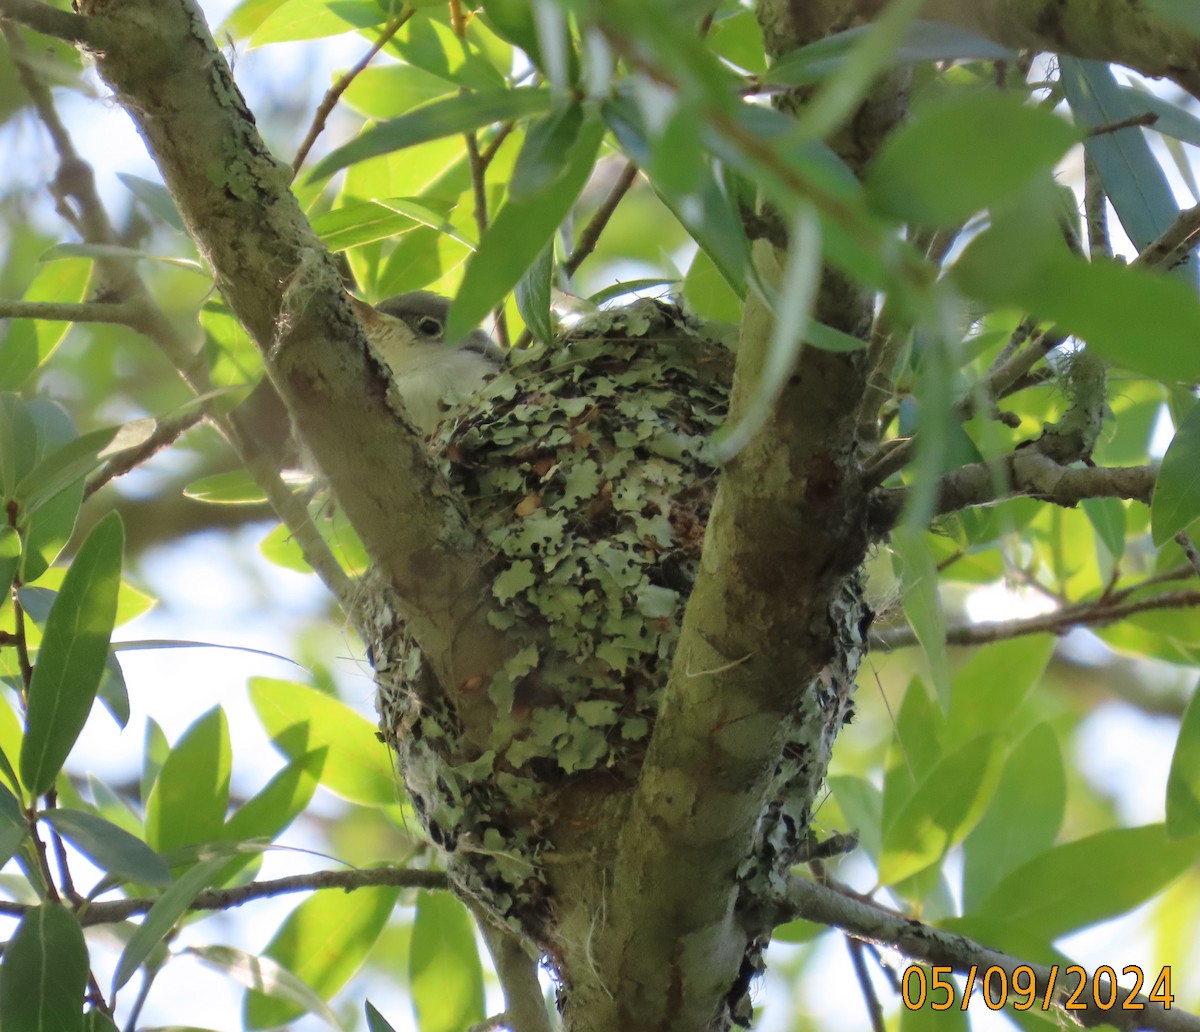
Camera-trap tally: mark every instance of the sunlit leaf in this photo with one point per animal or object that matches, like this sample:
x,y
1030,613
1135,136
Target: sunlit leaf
x,y
1183,781
71,659
315,19
458,114
191,793
1092,879
1176,499
161,917
939,812
234,488
264,975
110,848
1022,819
323,942
922,603
44,973
517,235
445,975
300,719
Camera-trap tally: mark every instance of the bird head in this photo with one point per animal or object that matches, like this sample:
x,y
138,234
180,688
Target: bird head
x,y
430,375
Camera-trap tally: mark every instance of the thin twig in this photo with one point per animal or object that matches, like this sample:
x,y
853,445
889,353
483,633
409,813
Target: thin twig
x,y
334,93
1085,614
165,434
599,221
226,899
479,192
1095,206
1144,120
856,948
1184,541
1175,243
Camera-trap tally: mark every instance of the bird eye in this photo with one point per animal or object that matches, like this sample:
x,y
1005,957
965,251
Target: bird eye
x,y
429,326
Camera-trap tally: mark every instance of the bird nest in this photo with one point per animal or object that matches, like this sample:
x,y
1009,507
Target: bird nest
x,y
585,466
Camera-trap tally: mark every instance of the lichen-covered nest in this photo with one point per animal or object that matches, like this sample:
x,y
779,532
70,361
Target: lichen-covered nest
x,y
584,465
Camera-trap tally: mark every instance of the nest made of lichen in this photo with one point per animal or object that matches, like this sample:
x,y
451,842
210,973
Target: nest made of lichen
x,y
584,466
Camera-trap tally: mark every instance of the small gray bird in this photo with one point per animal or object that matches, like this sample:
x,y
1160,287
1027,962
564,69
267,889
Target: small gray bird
x,y
430,375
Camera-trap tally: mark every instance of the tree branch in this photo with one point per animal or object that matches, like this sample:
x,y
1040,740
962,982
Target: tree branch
x,y
923,942
1082,614
1026,472
1103,30
334,93
226,899
524,1003
122,313
50,21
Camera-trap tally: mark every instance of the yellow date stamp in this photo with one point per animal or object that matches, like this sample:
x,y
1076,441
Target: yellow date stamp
x,y
1069,987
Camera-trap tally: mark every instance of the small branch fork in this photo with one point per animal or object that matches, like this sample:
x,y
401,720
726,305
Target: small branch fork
x,y
863,919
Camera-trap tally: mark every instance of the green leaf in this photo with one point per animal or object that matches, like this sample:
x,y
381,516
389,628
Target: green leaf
x,y
44,973
1183,781
264,975
300,719
236,487
458,114
533,296
793,305
445,975
376,1022
323,942
543,157
155,750
191,793
1131,175
280,801
1090,880
315,19
10,556
1022,819
360,223
110,848
517,235
939,812
64,467
957,157
1107,516
991,687
1175,502
1137,318
161,917
13,828
30,342
154,196
71,658
923,41
922,603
